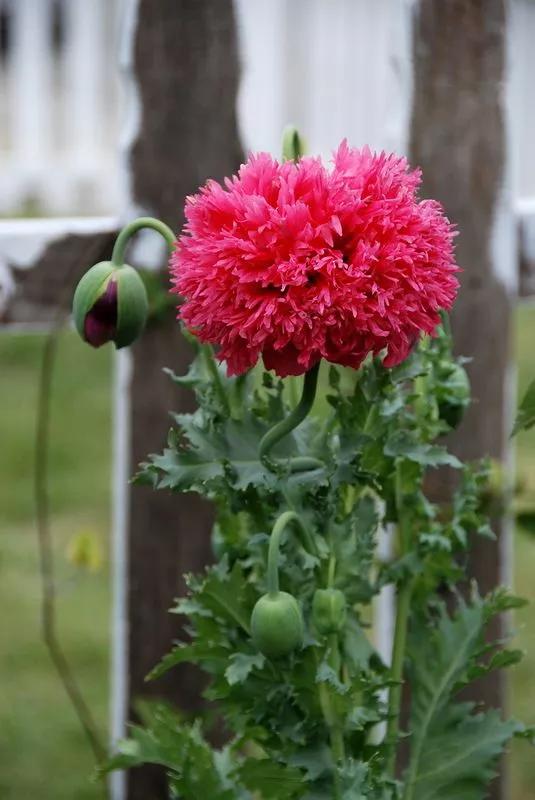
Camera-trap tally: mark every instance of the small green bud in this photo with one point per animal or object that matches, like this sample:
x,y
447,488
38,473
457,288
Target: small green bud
x,y
329,611
293,146
110,305
277,624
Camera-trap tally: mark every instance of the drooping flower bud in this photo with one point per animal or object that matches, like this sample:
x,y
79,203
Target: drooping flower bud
x,y
110,305
277,624
329,610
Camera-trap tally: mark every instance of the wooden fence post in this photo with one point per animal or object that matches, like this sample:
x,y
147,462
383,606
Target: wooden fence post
x,y
185,68
459,138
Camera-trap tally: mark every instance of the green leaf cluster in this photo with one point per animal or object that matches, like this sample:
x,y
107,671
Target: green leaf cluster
x,y
312,725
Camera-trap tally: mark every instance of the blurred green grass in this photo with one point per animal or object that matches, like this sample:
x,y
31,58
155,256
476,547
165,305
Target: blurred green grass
x,y
42,751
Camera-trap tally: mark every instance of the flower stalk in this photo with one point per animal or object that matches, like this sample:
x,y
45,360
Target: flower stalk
x,y
404,597
295,418
122,241
275,542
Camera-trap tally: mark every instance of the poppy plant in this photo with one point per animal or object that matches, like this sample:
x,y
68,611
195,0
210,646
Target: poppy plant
x,y
294,264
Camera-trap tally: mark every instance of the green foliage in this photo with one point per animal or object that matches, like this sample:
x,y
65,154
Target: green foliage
x,y
526,413
309,724
194,769
453,750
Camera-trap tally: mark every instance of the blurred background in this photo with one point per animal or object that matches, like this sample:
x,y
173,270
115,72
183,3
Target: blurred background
x,y
63,111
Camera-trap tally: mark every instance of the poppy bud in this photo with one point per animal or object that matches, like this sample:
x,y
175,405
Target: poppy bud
x,y
110,305
277,624
329,610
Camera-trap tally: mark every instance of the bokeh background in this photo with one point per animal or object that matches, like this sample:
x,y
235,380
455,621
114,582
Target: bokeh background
x,y
61,114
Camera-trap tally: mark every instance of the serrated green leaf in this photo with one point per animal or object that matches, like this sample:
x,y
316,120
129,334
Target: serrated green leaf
x,y
360,718
204,457
326,674
459,760
356,647
193,653
315,761
452,751
225,593
403,444
241,665
274,781
359,781
193,771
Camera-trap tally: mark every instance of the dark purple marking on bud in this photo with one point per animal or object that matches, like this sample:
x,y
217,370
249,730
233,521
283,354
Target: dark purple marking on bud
x,y
100,325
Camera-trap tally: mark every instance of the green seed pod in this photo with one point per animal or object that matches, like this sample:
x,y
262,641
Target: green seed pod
x,y
110,305
329,611
277,624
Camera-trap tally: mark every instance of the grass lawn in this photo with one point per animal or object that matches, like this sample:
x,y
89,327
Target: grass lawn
x,y
42,751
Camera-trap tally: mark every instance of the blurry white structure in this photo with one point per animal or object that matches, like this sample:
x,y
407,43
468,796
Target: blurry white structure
x,y
60,111
59,115
302,66
522,66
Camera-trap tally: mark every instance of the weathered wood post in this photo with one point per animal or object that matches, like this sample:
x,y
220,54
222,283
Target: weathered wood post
x,y
459,138
185,67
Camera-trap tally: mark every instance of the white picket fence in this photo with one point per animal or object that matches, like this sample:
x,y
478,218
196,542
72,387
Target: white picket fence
x,y
60,111
334,67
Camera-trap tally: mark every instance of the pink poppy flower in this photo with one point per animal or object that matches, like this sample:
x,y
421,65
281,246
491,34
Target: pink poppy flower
x,y
294,262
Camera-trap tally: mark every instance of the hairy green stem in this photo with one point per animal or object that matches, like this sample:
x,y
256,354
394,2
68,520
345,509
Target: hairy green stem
x,y
398,658
211,366
304,463
274,546
331,572
336,736
287,425
404,597
121,243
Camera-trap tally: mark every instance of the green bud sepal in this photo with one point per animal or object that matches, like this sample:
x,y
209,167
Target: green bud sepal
x,y
110,304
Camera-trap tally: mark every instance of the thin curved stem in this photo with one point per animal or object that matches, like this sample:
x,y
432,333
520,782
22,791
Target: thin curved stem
x,y
50,633
121,243
46,551
275,542
287,425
